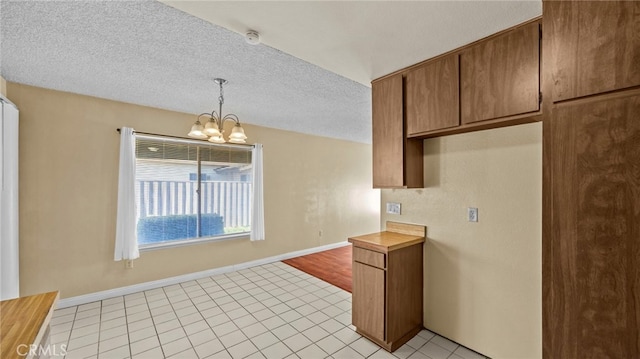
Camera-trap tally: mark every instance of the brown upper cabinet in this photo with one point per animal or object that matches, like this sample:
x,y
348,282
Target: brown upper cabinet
x,y
432,99
500,77
589,56
494,82
397,161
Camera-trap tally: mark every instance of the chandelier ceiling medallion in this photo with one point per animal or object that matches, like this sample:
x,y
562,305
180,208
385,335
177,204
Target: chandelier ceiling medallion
x,y
213,129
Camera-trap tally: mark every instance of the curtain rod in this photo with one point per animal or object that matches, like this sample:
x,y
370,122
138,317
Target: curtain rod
x,y
191,139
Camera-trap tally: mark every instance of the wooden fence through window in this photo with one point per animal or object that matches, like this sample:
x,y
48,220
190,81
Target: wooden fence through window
x,y
229,199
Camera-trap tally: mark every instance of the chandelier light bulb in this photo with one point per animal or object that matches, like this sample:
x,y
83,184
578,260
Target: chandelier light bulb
x,y
197,131
211,128
237,134
216,139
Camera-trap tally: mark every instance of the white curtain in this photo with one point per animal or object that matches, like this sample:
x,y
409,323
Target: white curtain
x,y
257,196
126,238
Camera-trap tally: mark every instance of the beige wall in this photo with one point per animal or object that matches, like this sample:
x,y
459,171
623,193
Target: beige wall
x,y
68,191
482,280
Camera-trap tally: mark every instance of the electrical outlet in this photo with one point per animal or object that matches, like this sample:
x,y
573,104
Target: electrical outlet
x,y
472,214
129,264
393,208
320,233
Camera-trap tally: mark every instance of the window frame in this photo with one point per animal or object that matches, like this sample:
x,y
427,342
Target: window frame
x,y
190,241
197,240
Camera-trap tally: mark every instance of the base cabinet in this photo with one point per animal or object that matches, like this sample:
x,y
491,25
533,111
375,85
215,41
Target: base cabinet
x,y
387,293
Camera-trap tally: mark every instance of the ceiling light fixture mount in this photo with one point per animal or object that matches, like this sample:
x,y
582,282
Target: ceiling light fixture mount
x,y
213,129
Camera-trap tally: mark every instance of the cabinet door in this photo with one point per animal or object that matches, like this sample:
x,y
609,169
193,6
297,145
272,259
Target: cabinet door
x,y
368,299
433,96
595,46
397,162
404,291
388,132
500,77
593,307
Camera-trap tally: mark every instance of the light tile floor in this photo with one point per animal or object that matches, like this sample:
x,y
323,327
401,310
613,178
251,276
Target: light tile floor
x,y
270,311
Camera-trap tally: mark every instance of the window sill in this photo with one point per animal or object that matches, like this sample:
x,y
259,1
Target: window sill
x,y
189,242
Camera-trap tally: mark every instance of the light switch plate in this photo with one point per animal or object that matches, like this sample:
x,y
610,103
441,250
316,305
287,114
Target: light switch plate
x,y
393,208
472,214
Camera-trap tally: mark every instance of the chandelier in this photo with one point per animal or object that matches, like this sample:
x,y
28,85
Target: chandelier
x,y
213,129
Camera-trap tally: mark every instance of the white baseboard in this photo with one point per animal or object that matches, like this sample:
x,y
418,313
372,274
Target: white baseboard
x,y
116,292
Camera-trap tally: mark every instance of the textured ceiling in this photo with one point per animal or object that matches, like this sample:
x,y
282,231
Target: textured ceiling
x,y
364,40
148,53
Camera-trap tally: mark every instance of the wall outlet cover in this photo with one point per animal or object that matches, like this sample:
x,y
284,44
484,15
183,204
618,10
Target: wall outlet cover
x,y
472,214
393,208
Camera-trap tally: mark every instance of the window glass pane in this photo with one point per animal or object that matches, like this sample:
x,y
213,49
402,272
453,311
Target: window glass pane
x,y
224,192
170,205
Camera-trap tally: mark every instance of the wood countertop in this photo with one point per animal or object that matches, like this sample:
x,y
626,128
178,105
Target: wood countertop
x,y
24,321
397,235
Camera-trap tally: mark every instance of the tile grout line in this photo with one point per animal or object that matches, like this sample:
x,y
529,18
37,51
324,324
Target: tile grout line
x,y
258,321
124,298
237,290
198,311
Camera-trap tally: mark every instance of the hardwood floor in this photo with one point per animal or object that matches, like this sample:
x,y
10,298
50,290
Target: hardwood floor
x,y
332,266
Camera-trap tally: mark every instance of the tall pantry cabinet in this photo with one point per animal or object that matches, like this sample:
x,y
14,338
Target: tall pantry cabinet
x,y
591,179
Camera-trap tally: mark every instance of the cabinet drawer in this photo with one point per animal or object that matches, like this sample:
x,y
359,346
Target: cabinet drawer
x,y
375,259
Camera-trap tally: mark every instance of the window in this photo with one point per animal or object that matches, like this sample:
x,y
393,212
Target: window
x,y
190,191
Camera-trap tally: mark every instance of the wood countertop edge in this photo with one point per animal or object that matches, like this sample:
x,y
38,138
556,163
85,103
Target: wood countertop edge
x,y
11,340
45,324
408,240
